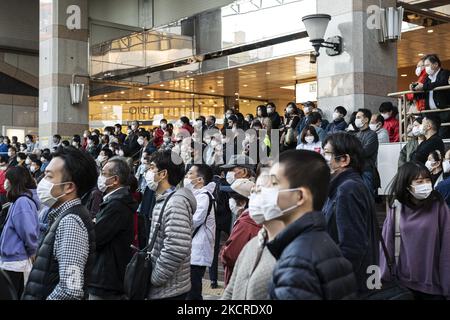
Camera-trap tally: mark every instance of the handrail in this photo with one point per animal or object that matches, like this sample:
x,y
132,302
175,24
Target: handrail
x,y
401,93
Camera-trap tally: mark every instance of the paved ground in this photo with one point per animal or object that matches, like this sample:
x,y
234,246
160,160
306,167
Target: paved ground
x,y
212,294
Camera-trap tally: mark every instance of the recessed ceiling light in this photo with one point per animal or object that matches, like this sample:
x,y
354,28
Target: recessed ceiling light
x,y
167,91
404,75
101,102
267,73
219,81
183,101
245,85
161,85
105,96
259,96
105,108
140,89
149,95
240,69
421,54
156,101
430,31
128,101
122,92
192,94
236,93
213,91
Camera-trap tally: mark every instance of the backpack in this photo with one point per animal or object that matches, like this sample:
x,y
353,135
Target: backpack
x,y
223,212
212,202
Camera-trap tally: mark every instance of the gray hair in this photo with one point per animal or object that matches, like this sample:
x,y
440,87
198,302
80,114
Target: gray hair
x,y
121,169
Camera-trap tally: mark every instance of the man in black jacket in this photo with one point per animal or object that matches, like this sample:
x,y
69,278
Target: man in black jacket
x,y
274,116
429,128
437,77
114,232
131,144
309,264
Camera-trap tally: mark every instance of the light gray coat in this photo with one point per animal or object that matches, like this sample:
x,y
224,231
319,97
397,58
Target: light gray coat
x,y
171,254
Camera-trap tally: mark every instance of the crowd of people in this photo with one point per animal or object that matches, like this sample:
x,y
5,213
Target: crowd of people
x,y
301,225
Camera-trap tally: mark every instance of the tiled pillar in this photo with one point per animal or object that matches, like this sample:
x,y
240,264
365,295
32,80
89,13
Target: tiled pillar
x,y
62,52
366,71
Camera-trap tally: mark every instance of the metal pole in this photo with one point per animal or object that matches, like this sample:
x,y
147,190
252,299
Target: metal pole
x,y
400,104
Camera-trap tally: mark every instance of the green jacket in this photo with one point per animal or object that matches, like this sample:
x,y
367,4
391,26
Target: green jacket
x,y
407,151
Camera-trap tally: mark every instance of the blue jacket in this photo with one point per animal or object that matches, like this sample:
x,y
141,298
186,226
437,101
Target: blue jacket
x,y
336,126
351,222
19,239
444,189
309,264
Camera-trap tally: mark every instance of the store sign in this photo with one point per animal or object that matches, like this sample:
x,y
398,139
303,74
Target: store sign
x,y
73,22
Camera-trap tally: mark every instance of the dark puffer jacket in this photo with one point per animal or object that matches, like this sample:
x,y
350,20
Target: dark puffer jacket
x,y
309,263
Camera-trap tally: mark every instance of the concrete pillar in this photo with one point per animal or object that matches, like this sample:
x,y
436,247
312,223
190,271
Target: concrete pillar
x,y
366,71
62,52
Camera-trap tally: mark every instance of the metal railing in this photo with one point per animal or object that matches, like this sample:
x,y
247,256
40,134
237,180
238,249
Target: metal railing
x,y
404,114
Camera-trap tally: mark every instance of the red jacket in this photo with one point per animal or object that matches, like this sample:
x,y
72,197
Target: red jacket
x,y
158,137
2,181
189,128
392,127
244,230
420,102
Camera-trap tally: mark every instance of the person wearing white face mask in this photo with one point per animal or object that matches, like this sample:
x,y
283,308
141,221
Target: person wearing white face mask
x,y
407,151
297,191
253,269
309,140
69,243
199,180
12,155
437,77
350,207
429,128
171,226
159,133
417,226
114,231
434,165
103,157
338,124
244,228
369,141
239,167
444,186
376,125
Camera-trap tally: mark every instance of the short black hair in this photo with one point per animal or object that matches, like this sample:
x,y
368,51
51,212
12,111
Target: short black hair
x,y
344,143
341,110
33,157
366,112
213,118
401,184
94,139
184,119
22,156
144,134
118,125
434,121
38,162
205,172
29,136
121,169
314,117
263,109
57,136
433,58
163,120
65,143
79,168
386,107
307,169
76,138
163,161
13,148
436,154
271,104
380,119
108,152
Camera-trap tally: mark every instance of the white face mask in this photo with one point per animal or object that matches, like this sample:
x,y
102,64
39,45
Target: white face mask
x,y
430,165
28,161
44,192
100,159
190,183
419,71
336,116
140,141
446,166
415,131
373,127
255,209
10,154
74,144
163,126
234,206
101,183
421,191
270,205
150,179
309,139
166,139
359,123
385,116
121,153
429,71
32,169
231,177
6,185
307,110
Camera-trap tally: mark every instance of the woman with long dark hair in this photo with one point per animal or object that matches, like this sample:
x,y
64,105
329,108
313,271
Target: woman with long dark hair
x,y
19,238
422,246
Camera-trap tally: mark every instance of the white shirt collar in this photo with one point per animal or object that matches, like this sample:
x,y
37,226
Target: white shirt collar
x,y
112,192
434,76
